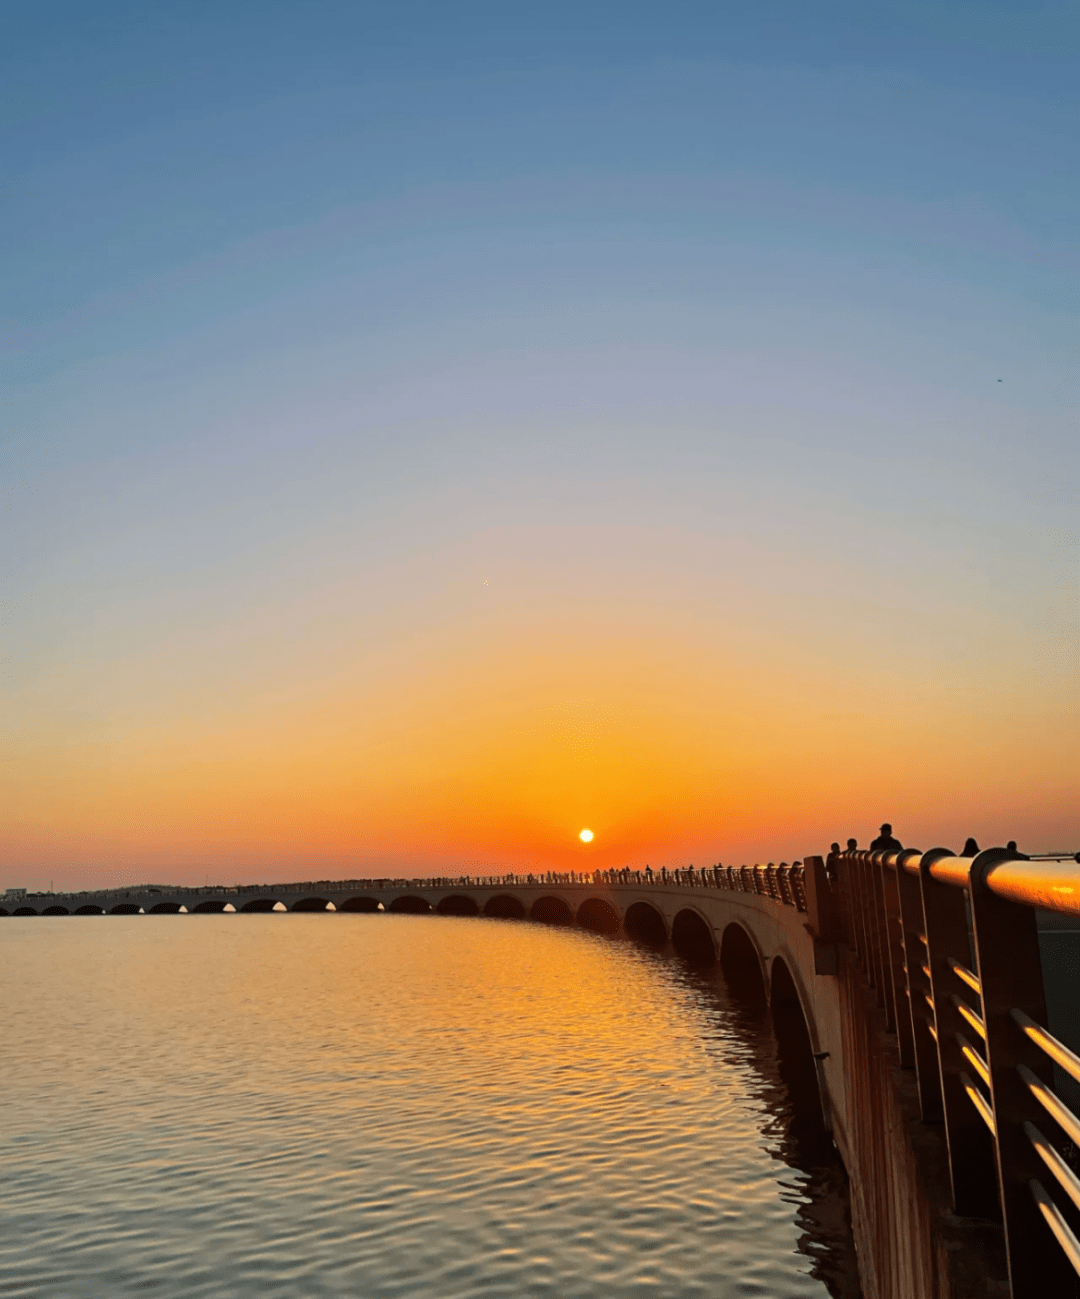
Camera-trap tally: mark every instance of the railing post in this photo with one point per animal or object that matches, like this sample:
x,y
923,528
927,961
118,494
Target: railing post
x,y
822,912
838,868
862,933
850,881
972,1164
1010,971
816,898
894,946
880,938
927,1068
797,879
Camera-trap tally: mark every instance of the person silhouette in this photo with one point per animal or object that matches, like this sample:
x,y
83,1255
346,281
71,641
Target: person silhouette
x,y
885,841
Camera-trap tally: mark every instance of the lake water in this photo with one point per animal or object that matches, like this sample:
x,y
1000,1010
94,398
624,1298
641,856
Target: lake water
x,y
312,1105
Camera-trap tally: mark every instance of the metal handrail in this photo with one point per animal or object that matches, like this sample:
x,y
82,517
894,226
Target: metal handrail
x,y
952,870
974,1058
1052,1104
979,1101
1067,1179
976,1021
1047,1042
1056,1222
962,972
1051,883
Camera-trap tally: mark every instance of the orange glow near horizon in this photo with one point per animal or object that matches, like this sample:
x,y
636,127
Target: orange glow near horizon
x,y
478,762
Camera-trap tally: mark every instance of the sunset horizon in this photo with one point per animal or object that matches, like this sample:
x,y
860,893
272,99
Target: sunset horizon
x,y
540,650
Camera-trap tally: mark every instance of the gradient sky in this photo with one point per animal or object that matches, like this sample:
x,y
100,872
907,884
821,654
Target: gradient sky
x,y
428,429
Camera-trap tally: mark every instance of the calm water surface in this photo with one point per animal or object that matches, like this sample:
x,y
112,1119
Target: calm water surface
x,y
392,1105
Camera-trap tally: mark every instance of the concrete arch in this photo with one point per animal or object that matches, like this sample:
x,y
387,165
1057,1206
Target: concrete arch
x,y
410,905
311,904
598,916
4,911
743,967
24,911
259,906
90,910
798,1067
56,911
364,905
457,904
208,908
165,909
692,938
551,910
126,909
645,924
790,960
503,906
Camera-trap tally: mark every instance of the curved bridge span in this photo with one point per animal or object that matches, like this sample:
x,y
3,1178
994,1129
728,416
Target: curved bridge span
x,y
909,992
753,920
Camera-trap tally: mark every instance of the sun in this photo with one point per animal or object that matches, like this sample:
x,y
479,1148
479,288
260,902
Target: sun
x,y
585,836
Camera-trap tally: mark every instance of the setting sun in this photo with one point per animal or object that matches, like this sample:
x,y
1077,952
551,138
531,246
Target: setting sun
x,y
585,836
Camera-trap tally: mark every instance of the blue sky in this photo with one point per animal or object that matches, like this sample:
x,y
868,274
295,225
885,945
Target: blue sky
x,y
766,309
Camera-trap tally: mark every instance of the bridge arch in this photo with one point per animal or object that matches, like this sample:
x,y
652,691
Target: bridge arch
x,y
798,1068
210,907
645,924
91,909
551,910
692,938
261,906
165,909
312,904
4,911
743,967
364,905
410,905
458,904
126,909
503,906
24,911
56,911
598,916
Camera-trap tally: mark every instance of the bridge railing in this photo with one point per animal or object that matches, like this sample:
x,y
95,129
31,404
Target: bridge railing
x,y
950,947
784,884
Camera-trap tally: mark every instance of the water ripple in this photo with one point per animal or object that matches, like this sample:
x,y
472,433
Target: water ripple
x,y
392,1105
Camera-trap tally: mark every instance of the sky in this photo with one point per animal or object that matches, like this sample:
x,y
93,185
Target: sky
x,y
428,430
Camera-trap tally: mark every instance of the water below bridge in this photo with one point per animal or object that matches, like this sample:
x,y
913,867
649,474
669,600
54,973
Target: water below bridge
x,y
395,1105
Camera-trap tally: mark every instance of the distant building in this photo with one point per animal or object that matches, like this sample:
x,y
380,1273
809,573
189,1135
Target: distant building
x,y
14,893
